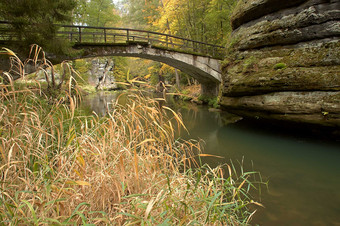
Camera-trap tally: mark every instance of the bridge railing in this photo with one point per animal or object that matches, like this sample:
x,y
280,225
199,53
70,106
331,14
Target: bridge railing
x,y
111,35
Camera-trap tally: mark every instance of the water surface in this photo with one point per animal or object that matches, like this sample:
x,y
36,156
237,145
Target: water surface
x,y
303,170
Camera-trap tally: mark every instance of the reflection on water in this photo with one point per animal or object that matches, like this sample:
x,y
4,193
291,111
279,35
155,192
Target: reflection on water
x,y
101,102
304,176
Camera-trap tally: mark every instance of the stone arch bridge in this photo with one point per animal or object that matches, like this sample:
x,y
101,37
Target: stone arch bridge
x,y
197,59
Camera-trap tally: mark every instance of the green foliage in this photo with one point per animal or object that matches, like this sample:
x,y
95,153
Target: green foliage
x,y
141,13
204,98
155,75
214,102
280,66
120,69
211,101
206,20
248,63
98,13
226,62
184,95
33,20
83,67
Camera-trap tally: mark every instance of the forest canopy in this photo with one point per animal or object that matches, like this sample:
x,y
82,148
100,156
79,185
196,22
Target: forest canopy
x,y
201,20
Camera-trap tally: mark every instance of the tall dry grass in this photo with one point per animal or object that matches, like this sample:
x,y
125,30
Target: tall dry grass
x,y
60,167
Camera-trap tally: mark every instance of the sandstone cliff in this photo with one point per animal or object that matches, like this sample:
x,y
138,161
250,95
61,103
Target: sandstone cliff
x,y
284,61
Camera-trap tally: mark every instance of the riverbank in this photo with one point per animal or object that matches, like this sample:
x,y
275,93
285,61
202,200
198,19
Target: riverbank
x,y
63,166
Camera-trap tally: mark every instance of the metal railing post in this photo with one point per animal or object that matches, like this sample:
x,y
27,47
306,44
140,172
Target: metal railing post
x,y
127,35
79,33
167,41
170,41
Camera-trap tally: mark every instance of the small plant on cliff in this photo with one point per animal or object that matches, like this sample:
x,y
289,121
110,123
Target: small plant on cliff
x,y
185,95
280,66
249,64
211,101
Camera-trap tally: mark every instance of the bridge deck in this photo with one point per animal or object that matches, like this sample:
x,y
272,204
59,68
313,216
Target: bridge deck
x,y
110,35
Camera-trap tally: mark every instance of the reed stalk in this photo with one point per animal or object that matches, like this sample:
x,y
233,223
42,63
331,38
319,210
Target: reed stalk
x,y
58,166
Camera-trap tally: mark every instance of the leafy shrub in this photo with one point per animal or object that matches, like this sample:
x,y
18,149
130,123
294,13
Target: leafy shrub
x,y
211,101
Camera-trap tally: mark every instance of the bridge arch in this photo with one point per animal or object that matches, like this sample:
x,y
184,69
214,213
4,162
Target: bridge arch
x,y
205,69
197,59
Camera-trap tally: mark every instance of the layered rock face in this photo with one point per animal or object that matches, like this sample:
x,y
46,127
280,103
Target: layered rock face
x,y
101,75
284,61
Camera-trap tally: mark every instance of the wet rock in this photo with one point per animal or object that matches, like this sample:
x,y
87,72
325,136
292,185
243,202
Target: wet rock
x,y
313,107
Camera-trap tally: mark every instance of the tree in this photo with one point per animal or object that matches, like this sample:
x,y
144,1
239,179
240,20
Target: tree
x,y
141,14
100,13
201,20
217,20
34,20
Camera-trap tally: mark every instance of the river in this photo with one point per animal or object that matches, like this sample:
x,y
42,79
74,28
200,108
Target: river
x,y
302,167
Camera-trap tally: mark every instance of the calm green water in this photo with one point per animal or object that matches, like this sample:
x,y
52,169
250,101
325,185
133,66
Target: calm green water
x,y
303,171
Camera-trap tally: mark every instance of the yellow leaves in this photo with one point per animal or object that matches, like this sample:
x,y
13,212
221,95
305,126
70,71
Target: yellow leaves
x,y
78,182
257,203
147,76
135,158
7,52
82,183
178,119
207,155
2,153
152,68
149,208
166,69
146,141
239,187
71,136
128,76
81,160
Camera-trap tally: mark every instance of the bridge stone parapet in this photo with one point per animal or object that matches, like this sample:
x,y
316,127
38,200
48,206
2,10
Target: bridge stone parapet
x,y
203,68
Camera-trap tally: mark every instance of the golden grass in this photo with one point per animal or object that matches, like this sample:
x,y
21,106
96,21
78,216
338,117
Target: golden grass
x,y
60,167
